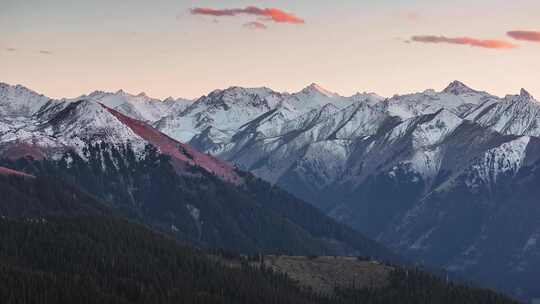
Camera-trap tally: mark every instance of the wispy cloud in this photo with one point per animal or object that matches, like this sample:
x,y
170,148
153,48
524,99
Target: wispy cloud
x,y
474,42
45,52
270,14
533,36
412,16
255,25
11,49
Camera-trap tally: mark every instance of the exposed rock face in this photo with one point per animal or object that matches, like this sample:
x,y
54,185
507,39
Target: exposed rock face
x,y
446,177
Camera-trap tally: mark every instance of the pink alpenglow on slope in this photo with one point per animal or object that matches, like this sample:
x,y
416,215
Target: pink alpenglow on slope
x,y
7,171
181,154
17,150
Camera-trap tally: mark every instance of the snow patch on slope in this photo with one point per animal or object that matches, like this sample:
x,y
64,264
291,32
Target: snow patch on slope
x,y
140,107
504,159
435,130
324,162
514,115
19,101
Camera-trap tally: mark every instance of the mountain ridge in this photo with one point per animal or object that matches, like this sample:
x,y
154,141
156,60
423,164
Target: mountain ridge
x,y
167,184
384,166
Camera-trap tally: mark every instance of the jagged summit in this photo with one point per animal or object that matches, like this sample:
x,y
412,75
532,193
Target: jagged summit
x,y
236,92
315,88
95,93
4,85
457,88
524,94
248,97
425,149
16,89
20,101
139,106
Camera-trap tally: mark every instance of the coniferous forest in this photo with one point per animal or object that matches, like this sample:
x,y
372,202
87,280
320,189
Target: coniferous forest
x,y
60,245
251,218
107,260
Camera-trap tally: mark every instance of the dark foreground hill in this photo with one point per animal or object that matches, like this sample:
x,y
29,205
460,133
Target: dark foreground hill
x,y
105,260
30,196
201,208
61,245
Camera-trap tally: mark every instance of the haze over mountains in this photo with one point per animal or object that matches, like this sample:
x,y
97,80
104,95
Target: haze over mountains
x,y
446,178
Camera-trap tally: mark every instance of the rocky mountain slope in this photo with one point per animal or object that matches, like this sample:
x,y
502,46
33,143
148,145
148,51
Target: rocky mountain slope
x,y
377,164
168,185
434,175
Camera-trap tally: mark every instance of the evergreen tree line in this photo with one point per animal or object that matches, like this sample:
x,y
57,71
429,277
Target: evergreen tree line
x,y
97,259
61,244
414,286
251,218
45,196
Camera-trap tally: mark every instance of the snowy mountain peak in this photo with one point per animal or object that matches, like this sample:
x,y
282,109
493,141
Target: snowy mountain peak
x,y
315,89
240,91
94,94
139,106
119,95
88,111
369,98
524,94
20,101
16,90
523,97
253,97
457,88
180,153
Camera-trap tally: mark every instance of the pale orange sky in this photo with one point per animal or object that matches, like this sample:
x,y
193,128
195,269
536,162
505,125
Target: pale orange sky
x,y
68,48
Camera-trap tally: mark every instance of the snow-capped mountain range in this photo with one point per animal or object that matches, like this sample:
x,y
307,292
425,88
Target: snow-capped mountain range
x,y
40,127
97,144
447,177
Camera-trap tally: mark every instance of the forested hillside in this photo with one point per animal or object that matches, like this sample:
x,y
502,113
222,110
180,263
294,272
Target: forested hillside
x,y
105,260
43,196
200,208
61,245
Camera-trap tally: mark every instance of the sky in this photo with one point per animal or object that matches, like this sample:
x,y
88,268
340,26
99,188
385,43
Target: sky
x,y
66,48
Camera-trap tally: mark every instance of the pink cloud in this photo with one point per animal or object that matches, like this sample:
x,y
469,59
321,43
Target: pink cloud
x,y
533,36
490,44
255,25
413,16
213,12
272,14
